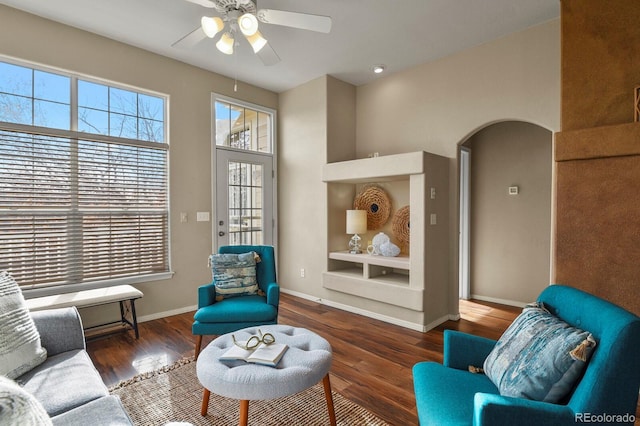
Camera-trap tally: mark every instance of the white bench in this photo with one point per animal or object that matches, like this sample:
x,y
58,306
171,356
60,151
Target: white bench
x,y
124,294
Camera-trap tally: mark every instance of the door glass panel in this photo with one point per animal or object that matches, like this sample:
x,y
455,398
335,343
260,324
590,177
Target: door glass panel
x,y
245,203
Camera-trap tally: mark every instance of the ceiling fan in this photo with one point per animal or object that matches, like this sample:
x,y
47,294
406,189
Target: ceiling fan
x,y
235,17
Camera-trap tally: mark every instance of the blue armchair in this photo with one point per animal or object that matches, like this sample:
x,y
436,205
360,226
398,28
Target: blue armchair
x,y
220,317
450,395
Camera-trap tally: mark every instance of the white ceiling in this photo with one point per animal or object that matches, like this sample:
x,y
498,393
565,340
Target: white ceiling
x,y
396,33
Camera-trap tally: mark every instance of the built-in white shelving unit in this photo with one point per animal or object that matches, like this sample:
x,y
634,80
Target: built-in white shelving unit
x,y
415,281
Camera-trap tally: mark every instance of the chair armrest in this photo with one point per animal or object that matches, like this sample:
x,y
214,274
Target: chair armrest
x,y
273,294
60,329
462,350
206,295
490,409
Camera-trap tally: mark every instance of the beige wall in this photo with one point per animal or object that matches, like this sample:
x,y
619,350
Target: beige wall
x,y
302,205
510,234
432,107
436,106
30,38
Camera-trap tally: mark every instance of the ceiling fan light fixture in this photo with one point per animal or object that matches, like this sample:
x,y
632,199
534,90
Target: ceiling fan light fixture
x,y
225,44
248,24
256,41
211,25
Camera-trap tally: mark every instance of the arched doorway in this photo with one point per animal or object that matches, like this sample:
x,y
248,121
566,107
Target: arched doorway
x,y
509,214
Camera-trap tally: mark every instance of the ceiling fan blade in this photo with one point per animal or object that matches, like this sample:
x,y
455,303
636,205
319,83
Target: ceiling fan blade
x,y
204,3
303,21
268,56
191,39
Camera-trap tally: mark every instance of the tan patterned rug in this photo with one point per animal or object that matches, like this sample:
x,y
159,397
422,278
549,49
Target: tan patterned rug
x,y
174,394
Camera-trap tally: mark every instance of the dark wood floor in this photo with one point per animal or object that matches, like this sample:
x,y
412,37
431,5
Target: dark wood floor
x,y
371,363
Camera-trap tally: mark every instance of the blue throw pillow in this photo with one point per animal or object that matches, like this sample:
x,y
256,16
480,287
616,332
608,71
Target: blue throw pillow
x,y
539,357
234,274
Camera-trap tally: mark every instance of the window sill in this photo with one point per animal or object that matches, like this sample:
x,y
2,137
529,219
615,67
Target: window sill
x,y
60,289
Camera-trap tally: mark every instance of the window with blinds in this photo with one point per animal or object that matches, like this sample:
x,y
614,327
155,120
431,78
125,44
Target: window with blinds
x,y
83,180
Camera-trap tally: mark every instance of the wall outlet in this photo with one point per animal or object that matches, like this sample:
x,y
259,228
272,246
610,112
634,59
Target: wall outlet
x,y
434,219
302,272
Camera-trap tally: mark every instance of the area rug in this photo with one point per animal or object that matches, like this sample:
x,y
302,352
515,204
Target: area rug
x,y
174,394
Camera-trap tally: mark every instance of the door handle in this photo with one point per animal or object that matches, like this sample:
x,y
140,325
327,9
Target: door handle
x,y
221,234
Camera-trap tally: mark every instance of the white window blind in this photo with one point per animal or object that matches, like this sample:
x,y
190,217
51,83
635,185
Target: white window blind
x,y
76,210
83,179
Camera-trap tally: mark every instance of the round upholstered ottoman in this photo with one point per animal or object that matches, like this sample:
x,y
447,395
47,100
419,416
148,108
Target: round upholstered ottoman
x,y
305,363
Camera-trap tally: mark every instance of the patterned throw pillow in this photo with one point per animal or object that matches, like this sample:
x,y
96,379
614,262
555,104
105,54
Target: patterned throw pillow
x,y
539,357
234,274
20,348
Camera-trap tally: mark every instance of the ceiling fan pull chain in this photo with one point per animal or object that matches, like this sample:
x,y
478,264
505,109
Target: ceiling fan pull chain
x,y
235,72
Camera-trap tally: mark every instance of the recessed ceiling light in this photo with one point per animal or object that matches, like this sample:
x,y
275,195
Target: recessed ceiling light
x,y
378,69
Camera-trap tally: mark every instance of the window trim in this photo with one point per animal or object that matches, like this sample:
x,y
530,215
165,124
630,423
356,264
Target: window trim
x,y
45,289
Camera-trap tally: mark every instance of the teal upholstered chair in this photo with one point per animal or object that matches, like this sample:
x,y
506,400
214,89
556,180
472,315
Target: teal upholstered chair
x,y
449,395
220,317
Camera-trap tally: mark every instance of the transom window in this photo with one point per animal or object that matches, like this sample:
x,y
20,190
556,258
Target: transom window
x,y
83,179
242,128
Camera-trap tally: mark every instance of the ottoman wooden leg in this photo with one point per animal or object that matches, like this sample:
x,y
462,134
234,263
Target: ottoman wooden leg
x,y
205,402
327,393
244,412
198,346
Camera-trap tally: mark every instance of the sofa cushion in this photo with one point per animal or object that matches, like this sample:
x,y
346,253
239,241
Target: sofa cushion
x,y
107,410
64,381
539,357
20,348
19,407
234,274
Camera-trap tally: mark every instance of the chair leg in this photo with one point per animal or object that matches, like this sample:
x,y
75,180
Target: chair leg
x,y
205,402
244,412
198,345
327,393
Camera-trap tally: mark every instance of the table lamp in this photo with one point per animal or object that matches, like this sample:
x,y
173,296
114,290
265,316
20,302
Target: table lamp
x,y
356,224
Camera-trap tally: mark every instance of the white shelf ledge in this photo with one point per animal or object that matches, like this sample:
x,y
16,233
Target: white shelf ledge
x,y
388,167
398,262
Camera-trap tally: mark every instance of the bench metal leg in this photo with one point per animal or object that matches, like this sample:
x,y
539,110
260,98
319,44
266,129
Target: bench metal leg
x,y
132,310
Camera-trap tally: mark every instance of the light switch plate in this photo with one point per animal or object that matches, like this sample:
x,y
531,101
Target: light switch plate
x,y
202,216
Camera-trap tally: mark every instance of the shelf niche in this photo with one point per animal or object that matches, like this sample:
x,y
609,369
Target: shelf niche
x,y
414,283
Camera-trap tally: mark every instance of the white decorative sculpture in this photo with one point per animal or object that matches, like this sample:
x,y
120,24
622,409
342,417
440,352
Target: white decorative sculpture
x,y
389,249
379,239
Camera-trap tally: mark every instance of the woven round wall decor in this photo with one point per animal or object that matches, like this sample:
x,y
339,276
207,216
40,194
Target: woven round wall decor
x,y
376,202
401,227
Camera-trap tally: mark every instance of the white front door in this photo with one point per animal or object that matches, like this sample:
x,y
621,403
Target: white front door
x,y
244,198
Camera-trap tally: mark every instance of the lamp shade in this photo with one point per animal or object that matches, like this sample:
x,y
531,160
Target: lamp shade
x,y
211,25
256,41
356,221
225,44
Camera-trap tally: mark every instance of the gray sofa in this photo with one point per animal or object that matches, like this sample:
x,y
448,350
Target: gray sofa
x,y
67,384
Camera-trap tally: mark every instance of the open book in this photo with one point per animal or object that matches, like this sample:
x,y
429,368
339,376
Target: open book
x,y
263,354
